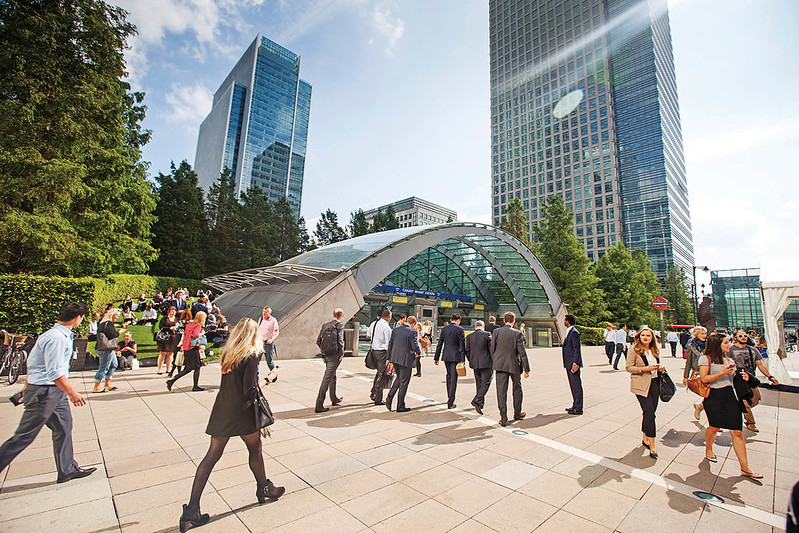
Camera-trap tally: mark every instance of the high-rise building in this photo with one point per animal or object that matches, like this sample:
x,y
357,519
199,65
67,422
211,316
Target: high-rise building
x,y
414,211
258,125
584,105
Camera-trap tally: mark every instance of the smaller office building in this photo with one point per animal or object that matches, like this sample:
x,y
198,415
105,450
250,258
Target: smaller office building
x,y
414,211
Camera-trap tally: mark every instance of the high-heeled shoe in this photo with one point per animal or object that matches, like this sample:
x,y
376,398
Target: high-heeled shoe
x,y
192,517
269,491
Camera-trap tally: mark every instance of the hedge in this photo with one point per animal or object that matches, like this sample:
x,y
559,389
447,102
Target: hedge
x,y
30,304
591,336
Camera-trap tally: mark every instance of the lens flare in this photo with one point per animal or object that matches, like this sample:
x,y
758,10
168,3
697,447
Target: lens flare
x,y
568,103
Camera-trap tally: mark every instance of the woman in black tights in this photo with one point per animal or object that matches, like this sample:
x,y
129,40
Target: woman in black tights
x,y
233,416
191,353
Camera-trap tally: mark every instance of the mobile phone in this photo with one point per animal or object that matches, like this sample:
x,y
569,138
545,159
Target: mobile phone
x,y
16,399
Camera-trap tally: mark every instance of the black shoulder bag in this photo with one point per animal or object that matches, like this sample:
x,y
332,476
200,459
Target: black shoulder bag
x,y
370,361
263,413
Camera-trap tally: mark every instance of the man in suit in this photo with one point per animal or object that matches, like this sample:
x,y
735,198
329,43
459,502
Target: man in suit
x,y
478,350
510,358
572,362
492,324
402,351
332,360
451,344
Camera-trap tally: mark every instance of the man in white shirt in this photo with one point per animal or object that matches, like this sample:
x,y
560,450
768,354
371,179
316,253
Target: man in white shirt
x,y
380,334
621,344
673,339
610,342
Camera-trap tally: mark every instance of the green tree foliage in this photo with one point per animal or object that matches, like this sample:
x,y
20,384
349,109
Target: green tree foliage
x,y
564,258
256,227
180,230
73,186
516,221
327,230
358,224
223,212
629,285
383,221
678,292
288,237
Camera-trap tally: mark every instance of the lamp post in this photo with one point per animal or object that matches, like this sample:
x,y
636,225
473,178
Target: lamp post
x,y
695,295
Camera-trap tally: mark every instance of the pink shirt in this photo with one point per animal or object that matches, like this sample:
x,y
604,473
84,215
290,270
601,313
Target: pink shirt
x,y
267,328
191,331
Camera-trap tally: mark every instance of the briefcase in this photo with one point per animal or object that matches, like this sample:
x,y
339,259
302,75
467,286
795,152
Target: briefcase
x,y
461,368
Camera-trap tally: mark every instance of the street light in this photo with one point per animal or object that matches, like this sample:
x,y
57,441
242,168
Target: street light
x,y
695,296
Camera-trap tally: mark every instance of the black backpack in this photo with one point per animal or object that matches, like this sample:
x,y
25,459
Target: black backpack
x,y
329,344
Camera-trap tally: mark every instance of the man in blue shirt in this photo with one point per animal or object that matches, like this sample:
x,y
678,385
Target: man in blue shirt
x,y
48,394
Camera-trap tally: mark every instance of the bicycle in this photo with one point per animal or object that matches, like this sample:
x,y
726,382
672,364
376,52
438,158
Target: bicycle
x,y
14,355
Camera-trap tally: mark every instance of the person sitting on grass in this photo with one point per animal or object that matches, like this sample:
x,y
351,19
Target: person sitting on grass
x,y
127,350
128,318
149,316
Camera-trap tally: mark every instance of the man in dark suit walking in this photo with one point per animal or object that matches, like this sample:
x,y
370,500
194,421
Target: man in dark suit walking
x,y
451,343
492,324
572,362
333,354
478,350
510,358
402,351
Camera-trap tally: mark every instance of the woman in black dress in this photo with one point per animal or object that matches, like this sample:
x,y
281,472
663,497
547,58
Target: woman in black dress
x,y
191,354
168,336
233,415
716,369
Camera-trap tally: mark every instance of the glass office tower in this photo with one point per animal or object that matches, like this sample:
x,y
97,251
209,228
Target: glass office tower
x,y
258,125
584,105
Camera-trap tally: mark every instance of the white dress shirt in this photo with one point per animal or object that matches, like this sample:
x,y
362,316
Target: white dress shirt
x,y
380,334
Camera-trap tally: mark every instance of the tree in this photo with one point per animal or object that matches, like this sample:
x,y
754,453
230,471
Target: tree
x,y
223,212
564,258
516,221
677,291
288,239
629,285
327,230
73,186
256,226
358,224
390,219
180,229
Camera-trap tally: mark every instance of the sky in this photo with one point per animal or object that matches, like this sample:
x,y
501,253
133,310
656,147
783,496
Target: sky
x,y
400,106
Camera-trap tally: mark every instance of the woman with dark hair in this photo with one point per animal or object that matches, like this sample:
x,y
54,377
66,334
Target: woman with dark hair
x,y
233,416
693,351
643,364
184,319
716,369
167,338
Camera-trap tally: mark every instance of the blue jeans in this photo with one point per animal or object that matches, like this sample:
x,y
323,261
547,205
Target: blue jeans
x,y
108,363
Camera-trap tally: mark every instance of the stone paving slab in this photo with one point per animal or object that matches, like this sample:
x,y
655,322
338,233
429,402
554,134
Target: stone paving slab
x,y
359,467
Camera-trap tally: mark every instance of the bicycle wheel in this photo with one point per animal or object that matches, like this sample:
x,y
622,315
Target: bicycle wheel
x,y
15,368
4,360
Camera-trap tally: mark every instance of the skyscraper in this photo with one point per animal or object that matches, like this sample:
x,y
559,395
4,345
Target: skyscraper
x,y
584,105
258,125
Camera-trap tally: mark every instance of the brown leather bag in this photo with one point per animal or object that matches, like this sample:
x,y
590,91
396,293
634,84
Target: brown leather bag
x,y
696,386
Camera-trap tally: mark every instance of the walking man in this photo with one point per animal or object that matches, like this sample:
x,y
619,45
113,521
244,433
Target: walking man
x,y
492,324
746,356
380,335
331,341
685,338
403,348
510,359
621,345
48,395
478,350
610,342
573,361
673,339
451,343
269,330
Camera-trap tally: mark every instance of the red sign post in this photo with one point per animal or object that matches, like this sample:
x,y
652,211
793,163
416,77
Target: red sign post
x,y
661,304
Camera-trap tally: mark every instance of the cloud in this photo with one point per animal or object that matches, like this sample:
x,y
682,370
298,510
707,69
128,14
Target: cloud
x,y
389,26
741,140
306,19
189,105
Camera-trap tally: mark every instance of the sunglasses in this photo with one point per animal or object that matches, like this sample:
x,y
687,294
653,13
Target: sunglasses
x,y
741,336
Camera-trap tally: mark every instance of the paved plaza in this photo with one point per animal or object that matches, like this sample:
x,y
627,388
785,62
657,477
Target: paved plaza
x,y
359,467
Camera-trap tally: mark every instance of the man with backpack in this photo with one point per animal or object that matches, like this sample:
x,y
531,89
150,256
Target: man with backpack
x,y
331,342
747,357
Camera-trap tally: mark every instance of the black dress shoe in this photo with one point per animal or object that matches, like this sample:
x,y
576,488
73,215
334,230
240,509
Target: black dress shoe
x,y
321,409
380,403
192,517
477,408
77,474
169,384
452,406
388,403
337,401
575,411
197,389
418,374
403,409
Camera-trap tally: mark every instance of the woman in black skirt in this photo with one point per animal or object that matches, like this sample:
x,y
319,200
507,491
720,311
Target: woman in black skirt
x,y
233,416
721,406
191,354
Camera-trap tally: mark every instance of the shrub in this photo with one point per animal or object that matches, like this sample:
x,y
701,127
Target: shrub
x,y
592,336
30,304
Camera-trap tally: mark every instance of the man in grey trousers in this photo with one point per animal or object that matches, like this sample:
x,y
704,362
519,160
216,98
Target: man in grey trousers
x,y
333,354
48,395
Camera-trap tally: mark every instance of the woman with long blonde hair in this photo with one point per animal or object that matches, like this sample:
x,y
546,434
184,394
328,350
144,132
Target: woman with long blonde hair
x,y
231,416
191,353
108,358
643,364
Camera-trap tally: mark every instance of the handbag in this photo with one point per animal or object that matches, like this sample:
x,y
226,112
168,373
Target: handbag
x,y
370,361
163,335
263,413
696,386
461,369
180,357
104,344
199,341
667,388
